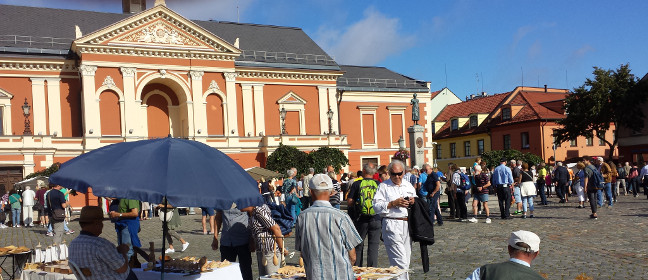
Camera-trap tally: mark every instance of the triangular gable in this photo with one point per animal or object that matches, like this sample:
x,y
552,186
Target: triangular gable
x,y
5,94
159,28
291,98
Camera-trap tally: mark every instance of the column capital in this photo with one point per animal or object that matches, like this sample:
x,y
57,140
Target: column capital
x,y
128,71
88,70
196,75
53,80
37,81
230,76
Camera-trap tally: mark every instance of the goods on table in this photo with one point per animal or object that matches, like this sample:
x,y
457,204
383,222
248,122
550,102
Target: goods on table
x,y
377,270
192,264
59,267
13,250
289,272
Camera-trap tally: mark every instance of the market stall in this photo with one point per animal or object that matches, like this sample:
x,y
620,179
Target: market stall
x,y
298,273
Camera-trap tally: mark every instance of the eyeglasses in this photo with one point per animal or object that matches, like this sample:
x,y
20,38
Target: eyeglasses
x,y
396,174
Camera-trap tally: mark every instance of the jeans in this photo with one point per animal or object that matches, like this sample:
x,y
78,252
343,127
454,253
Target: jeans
x,y
244,258
15,216
336,206
541,190
58,231
452,200
372,227
65,227
561,191
504,200
608,193
633,185
123,237
599,197
527,203
460,205
592,200
434,208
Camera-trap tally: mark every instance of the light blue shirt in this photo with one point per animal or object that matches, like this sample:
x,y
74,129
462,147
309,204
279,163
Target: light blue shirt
x,y
475,275
422,178
502,175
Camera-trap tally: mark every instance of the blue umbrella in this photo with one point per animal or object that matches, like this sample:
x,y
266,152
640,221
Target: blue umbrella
x,y
187,173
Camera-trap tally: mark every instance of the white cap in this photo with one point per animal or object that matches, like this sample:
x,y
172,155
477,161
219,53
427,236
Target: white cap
x,y
415,167
321,182
526,237
600,159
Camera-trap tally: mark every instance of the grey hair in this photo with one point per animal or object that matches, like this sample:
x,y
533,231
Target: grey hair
x,y
311,170
395,162
478,168
332,175
559,163
425,166
290,172
519,162
368,169
513,161
319,192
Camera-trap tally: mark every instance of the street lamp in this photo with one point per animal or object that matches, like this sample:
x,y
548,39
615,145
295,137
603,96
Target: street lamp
x,y
282,115
26,109
329,114
401,143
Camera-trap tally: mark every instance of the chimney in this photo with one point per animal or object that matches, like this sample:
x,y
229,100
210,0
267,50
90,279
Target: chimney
x,y
545,88
472,96
133,6
483,93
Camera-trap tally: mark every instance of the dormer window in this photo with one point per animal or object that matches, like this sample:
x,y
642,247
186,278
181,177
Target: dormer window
x,y
454,124
506,114
473,121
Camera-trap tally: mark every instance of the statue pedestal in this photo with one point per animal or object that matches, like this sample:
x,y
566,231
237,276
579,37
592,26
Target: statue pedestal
x,y
417,145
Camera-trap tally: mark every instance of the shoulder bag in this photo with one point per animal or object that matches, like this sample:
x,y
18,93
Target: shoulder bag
x,y
57,214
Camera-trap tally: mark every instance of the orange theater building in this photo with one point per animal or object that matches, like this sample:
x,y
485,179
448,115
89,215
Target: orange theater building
x,y
91,79
526,119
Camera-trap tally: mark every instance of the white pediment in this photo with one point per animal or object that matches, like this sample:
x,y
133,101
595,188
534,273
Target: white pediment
x,y
291,98
5,94
157,28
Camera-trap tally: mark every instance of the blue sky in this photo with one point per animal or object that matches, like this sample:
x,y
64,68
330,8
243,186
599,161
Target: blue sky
x,y
473,43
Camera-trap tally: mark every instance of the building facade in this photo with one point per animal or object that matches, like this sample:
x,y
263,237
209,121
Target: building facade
x,y
633,142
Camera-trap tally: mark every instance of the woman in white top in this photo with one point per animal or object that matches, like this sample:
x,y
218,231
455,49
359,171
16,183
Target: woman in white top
x,y
527,191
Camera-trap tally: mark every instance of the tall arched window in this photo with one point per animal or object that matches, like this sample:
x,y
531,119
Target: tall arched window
x,y
215,123
157,113
110,114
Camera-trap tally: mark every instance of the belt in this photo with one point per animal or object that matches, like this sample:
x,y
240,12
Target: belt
x,y
400,219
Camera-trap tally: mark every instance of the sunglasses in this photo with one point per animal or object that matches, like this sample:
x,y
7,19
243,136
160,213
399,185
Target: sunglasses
x,y
396,174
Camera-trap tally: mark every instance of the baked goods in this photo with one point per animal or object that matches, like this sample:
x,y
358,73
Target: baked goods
x,y
377,270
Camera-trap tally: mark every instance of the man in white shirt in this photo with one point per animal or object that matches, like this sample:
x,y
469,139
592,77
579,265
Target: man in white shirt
x,y
28,203
391,202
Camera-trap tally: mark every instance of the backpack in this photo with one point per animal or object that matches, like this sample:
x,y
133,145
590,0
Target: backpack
x,y
282,217
622,173
465,181
367,190
597,179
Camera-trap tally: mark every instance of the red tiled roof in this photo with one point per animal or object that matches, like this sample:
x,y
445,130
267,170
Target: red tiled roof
x,y
537,105
483,105
435,93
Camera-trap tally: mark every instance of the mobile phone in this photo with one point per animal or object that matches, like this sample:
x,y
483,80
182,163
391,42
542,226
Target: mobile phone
x,y
406,198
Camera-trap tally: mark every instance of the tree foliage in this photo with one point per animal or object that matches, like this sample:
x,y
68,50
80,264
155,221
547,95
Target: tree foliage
x,y
286,157
612,97
45,172
492,158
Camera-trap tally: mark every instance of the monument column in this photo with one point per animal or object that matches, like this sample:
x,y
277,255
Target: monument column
x,y
416,136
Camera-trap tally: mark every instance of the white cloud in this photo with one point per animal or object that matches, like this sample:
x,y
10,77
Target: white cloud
x,y
367,41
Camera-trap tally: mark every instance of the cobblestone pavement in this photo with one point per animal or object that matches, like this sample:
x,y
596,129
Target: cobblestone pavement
x,y
613,247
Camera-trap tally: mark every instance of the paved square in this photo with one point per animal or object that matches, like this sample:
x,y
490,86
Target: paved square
x,y
613,247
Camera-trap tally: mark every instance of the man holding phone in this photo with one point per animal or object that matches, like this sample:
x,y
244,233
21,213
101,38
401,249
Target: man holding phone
x,y
391,202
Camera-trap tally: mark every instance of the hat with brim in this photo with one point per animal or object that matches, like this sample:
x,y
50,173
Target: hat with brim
x,y
91,214
321,182
526,237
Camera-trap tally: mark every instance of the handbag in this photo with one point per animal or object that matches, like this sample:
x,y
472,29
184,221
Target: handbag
x,y
169,214
57,214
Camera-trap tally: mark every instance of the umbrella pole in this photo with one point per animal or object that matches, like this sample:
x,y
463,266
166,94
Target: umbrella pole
x,y
165,228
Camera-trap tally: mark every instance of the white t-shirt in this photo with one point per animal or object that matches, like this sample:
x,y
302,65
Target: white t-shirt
x,y
28,197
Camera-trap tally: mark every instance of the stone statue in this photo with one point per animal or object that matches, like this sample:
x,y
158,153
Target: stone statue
x,y
415,109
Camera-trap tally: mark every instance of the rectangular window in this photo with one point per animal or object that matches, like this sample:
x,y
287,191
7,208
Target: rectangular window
x,y
454,124
601,142
368,135
480,147
433,128
506,114
467,148
525,140
573,143
589,141
473,121
555,138
507,142
453,150
438,151
397,127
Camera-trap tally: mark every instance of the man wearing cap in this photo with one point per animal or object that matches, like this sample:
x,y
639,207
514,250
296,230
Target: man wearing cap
x,y
523,248
326,236
97,257
391,202
503,180
606,172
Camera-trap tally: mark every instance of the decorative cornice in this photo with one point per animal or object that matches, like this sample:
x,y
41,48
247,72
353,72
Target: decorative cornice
x,y
108,82
196,75
37,66
88,70
127,71
230,76
287,76
115,50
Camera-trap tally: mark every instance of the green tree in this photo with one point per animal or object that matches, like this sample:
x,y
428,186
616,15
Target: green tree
x,y
326,156
286,157
612,97
45,172
492,158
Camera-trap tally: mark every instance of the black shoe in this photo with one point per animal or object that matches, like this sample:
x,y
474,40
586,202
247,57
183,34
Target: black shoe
x,y
439,224
509,218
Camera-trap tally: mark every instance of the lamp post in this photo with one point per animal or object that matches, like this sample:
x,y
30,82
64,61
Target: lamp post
x,y
401,143
282,115
329,114
26,109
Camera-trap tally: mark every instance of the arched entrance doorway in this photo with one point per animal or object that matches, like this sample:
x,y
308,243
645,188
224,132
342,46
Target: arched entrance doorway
x,y
164,109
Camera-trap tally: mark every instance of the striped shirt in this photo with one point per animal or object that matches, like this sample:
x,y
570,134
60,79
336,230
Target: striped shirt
x,y
335,199
260,223
324,235
98,255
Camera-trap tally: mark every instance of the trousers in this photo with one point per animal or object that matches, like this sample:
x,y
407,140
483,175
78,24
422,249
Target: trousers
x,y
460,205
244,258
28,215
504,200
368,227
434,208
397,243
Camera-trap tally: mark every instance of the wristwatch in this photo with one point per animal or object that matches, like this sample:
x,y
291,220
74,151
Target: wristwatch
x,y
120,214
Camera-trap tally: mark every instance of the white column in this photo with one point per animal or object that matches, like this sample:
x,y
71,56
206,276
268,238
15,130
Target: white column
x,y
38,106
90,103
230,91
54,105
259,112
332,101
248,110
6,119
199,112
322,94
132,109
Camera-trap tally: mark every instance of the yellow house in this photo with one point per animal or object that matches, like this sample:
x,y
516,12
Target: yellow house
x,y
460,132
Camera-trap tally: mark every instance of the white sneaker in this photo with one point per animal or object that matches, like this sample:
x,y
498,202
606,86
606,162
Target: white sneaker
x,y
184,246
472,220
169,251
488,220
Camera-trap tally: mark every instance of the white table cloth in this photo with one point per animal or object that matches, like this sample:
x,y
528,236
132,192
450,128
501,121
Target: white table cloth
x,y
42,275
231,272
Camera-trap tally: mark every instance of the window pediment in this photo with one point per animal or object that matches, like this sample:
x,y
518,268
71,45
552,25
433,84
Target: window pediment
x,y
291,98
5,94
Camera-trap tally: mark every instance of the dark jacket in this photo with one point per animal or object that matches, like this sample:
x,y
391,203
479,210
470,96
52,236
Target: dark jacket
x,y
561,175
421,229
